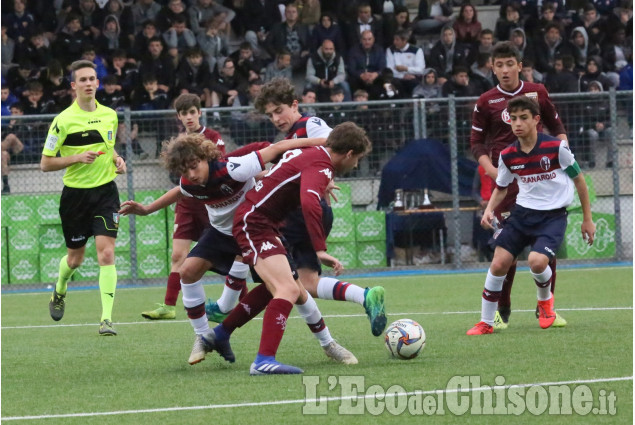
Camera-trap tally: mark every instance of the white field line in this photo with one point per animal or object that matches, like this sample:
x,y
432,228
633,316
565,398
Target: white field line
x,y
313,400
326,316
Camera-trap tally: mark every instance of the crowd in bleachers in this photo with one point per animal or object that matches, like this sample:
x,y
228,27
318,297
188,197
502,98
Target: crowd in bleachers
x,y
147,52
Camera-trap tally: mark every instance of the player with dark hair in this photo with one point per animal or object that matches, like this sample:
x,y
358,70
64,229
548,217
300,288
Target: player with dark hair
x,y
84,135
300,179
221,183
191,219
277,100
492,132
544,167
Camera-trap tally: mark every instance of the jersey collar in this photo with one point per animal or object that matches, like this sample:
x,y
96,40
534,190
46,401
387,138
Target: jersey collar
x,y
518,90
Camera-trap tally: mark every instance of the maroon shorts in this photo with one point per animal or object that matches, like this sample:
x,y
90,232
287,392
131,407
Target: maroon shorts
x,y
190,219
257,235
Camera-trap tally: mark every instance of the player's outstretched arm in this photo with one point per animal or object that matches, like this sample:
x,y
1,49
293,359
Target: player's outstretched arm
x,y
56,163
488,216
587,227
168,198
271,152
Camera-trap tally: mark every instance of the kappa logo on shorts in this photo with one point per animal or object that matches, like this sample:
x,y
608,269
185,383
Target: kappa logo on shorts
x,y
266,246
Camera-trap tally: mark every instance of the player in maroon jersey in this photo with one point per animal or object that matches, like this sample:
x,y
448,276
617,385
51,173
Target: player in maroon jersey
x,y
300,178
491,133
546,172
190,220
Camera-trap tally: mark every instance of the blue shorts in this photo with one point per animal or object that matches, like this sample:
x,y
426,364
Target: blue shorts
x,y
298,241
217,248
543,230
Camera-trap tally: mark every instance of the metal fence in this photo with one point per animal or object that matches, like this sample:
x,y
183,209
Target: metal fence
x,y
410,138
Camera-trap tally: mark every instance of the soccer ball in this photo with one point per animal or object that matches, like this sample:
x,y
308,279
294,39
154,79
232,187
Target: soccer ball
x,y
405,339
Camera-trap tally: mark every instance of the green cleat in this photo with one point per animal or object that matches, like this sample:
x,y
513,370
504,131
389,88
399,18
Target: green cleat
x,y
560,322
375,307
56,306
499,323
164,312
106,328
213,312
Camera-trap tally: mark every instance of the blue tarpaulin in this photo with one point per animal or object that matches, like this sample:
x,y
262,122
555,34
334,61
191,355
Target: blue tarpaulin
x,y
423,163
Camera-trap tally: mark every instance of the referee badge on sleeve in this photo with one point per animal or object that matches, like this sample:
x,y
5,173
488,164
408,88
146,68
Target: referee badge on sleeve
x,y
109,135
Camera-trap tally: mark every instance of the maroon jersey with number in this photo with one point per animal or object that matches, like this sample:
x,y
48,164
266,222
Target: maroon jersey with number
x,y
187,205
491,125
299,179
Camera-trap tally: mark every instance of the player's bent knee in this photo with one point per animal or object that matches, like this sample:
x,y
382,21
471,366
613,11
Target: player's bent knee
x,y
537,262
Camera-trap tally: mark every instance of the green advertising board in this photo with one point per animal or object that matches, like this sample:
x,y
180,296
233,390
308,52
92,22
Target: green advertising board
x,y
604,244
371,254
370,226
345,252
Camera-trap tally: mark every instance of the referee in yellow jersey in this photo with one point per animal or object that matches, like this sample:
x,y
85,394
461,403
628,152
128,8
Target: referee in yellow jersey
x,y
84,136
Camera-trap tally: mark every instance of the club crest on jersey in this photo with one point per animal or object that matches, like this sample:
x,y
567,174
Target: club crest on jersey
x,y
226,189
532,95
545,163
317,121
327,173
505,117
233,165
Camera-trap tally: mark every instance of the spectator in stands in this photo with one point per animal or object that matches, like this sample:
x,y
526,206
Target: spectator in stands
x,y
7,50
150,97
110,93
583,48
485,42
615,52
524,45
126,74
309,11
626,79
36,103
89,54
325,70
142,39
11,145
396,21
504,26
193,76
280,67
550,46
225,84
528,72
124,17
406,62
111,38
202,11
56,86
18,76
158,64
538,28
481,73
34,49
593,23
309,97
27,133
460,84
386,87
257,19
594,73
327,28
19,21
447,53
562,79
290,35
433,15
467,27
178,38
337,115
621,17
429,87
88,18
248,66
593,129
605,7
364,20
365,62
144,11
169,13
213,44
8,99
250,126
70,41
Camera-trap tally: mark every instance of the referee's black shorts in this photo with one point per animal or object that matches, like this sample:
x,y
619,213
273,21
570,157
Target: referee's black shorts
x,y
89,212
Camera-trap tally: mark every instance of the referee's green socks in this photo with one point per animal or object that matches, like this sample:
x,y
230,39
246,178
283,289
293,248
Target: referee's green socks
x,y
107,286
64,276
